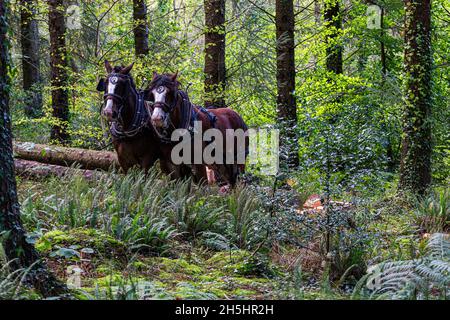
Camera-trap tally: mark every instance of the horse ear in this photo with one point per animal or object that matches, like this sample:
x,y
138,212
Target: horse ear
x,y
101,85
175,76
155,74
108,66
127,70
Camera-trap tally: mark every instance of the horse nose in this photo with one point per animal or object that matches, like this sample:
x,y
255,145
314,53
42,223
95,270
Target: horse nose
x,y
157,121
158,118
108,113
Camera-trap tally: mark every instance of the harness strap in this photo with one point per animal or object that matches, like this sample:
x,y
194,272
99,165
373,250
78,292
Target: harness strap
x,y
139,122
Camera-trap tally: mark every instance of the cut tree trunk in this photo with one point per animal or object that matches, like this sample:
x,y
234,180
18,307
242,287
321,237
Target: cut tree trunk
x,y
37,170
86,159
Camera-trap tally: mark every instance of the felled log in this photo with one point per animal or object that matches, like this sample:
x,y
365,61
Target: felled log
x,y
37,170
61,156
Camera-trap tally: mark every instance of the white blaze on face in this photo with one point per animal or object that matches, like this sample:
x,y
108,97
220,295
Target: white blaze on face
x,y
160,97
112,81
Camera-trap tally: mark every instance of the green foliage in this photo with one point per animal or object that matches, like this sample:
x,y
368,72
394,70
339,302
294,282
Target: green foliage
x,y
433,213
145,212
424,278
10,282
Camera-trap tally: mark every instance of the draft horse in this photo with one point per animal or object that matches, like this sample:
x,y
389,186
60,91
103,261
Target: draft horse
x,y
134,141
172,109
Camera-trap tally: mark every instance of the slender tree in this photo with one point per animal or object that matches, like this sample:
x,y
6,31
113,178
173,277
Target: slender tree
x,y
415,165
333,23
215,72
286,102
140,27
17,249
59,66
30,58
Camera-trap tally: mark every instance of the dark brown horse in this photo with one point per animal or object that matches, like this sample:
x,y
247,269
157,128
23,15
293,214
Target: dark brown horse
x,y
172,110
133,140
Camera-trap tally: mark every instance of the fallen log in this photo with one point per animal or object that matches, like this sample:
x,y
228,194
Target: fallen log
x,y
36,170
62,156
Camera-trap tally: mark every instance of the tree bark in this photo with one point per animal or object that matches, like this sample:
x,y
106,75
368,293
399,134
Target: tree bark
x,y
286,101
415,165
86,159
38,170
30,58
140,27
16,248
333,22
215,71
59,67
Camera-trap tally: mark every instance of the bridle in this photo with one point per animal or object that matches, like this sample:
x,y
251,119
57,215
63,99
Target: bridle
x,y
141,114
112,96
186,113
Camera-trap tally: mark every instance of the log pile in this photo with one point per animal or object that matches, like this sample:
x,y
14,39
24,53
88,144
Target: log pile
x,y
38,161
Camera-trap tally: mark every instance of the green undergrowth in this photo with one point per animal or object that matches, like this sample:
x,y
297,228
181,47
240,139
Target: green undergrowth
x,y
145,237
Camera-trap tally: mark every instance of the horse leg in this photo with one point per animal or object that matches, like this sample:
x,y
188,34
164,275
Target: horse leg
x,y
199,172
147,162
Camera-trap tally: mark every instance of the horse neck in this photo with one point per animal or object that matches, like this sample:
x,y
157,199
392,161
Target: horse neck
x,y
129,108
177,113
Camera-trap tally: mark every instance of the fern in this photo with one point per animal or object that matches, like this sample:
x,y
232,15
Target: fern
x,y
411,279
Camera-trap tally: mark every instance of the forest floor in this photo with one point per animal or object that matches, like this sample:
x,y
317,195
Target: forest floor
x,y
113,262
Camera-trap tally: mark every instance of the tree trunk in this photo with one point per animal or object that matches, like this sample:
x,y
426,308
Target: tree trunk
x,y
59,67
140,27
16,248
415,165
86,159
286,102
333,21
30,58
38,170
215,72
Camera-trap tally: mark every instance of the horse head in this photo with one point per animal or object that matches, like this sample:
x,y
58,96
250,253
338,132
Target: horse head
x,y
116,87
163,92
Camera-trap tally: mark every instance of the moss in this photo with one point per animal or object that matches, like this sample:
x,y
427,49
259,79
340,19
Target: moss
x,y
178,266
240,262
84,238
243,293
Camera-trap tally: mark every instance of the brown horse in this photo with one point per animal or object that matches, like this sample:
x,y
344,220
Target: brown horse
x,y
173,110
133,140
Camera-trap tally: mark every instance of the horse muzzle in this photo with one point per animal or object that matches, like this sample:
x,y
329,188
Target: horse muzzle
x,y
159,119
